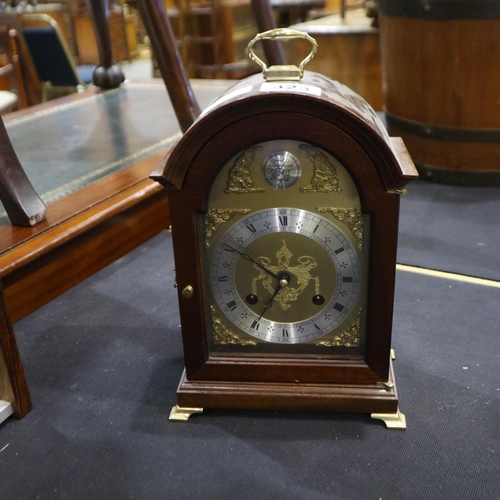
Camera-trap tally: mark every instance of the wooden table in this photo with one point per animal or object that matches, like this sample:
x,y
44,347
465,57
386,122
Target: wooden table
x,y
101,148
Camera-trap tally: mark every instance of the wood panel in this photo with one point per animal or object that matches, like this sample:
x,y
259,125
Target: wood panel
x,y
440,82
458,86
13,386
86,43
348,51
87,244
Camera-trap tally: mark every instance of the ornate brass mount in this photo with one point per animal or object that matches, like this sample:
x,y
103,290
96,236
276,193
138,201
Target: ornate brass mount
x,y
222,335
217,216
325,178
348,338
351,217
301,272
240,181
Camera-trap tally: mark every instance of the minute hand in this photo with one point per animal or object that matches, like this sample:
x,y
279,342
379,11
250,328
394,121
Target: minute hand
x,y
247,257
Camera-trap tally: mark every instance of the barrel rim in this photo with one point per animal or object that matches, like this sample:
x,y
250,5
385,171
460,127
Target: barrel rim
x,y
441,9
440,133
471,178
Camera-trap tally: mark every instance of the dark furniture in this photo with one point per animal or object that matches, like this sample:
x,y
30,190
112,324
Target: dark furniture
x,y
104,205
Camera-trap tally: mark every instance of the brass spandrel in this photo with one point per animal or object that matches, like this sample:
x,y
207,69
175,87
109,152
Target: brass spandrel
x,y
223,336
351,217
215,217
325,179
348,338
240,180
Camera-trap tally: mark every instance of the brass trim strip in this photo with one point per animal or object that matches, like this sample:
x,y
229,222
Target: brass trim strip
x,y
448,276
439,9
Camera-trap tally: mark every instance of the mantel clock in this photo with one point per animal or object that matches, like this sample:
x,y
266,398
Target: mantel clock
x,y
284,207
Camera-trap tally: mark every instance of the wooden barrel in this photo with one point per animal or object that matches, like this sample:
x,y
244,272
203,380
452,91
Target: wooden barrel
x,y
348,51
441,77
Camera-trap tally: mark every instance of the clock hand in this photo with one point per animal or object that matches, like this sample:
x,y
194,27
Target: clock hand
x,y
284,279
269,303
247,257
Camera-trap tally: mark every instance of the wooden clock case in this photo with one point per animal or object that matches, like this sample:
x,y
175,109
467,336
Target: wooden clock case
x,y
341,123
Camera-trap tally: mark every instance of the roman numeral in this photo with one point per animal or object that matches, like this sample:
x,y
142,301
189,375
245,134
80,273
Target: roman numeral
x,y
316,326
255,325
347,279
285,333
340,250
251,228
338,307
317,225
283,220
232,305
222,278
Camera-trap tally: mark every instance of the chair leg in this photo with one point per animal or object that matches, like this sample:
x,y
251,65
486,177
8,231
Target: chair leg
x,y
13,385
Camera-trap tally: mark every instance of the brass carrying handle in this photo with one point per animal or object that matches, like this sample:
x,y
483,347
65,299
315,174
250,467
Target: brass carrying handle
x,y
285,34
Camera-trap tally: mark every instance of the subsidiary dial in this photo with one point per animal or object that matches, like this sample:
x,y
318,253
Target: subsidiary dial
x,y
281,169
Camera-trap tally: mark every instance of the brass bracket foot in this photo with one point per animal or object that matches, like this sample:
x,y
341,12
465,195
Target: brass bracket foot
x,y
178,414
392,420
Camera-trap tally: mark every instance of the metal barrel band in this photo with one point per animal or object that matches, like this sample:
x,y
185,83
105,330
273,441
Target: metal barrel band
x,y
441,175
450,134
441,10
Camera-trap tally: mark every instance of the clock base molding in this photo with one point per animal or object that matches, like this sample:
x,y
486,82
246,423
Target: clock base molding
x,y
380,400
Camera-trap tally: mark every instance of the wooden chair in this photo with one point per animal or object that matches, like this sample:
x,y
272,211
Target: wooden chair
x,y
46,49
8,98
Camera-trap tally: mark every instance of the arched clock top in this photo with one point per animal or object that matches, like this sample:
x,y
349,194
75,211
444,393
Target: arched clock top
x,y
316,110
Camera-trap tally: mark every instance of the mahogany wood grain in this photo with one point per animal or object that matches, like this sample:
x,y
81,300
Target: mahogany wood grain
x,y
61,258
13,385
107,74
357,398
61,210
169,61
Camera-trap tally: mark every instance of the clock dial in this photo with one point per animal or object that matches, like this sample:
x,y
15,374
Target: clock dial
x,y
285,275
283,255
281,169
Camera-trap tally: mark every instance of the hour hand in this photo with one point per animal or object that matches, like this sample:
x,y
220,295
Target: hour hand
x,y
283,281
269,303
247,257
